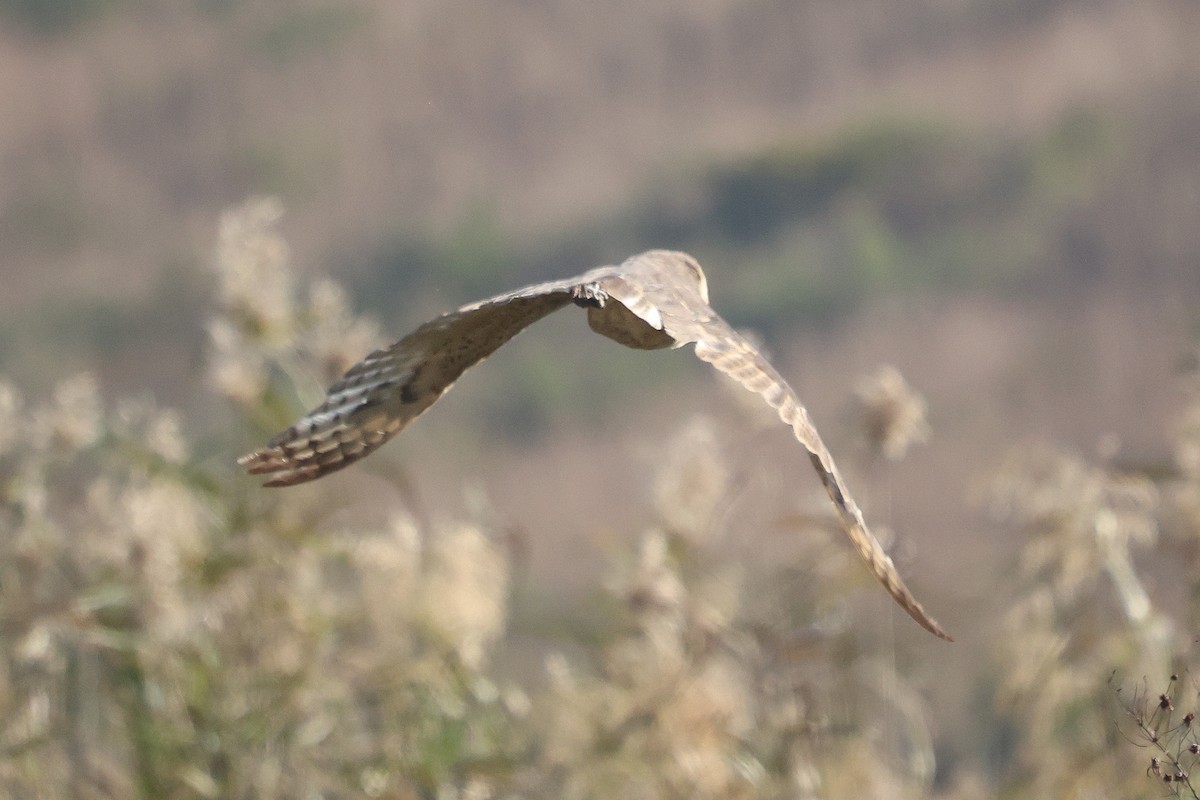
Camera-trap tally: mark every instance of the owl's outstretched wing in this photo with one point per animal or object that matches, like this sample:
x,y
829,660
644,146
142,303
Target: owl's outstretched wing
x,y
652,292
378,397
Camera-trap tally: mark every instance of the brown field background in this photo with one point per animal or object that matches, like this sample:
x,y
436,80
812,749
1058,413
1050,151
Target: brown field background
x,y
999,198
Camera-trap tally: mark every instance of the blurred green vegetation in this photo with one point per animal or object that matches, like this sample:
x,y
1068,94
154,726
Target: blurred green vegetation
x,y
794,236
86,332
52,218
294,32
54,17
292,168
895,204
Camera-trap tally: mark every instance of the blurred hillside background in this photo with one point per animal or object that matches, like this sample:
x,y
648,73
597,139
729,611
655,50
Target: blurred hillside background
x,y
1000,198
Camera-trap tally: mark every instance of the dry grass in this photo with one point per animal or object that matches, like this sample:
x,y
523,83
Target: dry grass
x,y
170,631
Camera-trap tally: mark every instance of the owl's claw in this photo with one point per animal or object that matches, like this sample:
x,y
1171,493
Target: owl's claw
x,y
589,295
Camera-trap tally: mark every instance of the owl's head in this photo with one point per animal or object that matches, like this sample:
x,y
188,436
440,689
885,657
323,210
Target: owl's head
x,y
685,266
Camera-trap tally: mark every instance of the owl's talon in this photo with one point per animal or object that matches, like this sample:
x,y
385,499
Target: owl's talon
x,y
589,295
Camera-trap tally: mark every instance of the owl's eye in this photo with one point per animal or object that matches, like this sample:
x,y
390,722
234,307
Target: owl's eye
x,y
694,267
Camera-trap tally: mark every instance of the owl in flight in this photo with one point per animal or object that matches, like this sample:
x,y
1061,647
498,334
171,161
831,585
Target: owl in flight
x,y
653,300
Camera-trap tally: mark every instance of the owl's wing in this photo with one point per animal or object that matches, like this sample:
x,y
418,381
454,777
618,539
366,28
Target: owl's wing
x,y
678,309
378,397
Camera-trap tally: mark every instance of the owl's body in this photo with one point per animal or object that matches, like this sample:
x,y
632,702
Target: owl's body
x,y
654,300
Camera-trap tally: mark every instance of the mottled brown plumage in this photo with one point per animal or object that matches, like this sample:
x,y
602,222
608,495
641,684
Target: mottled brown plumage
x,y
653,300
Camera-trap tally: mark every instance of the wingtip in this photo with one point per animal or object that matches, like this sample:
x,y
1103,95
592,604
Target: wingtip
x,y
260,461
266,461
927,622
286,467
939,632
